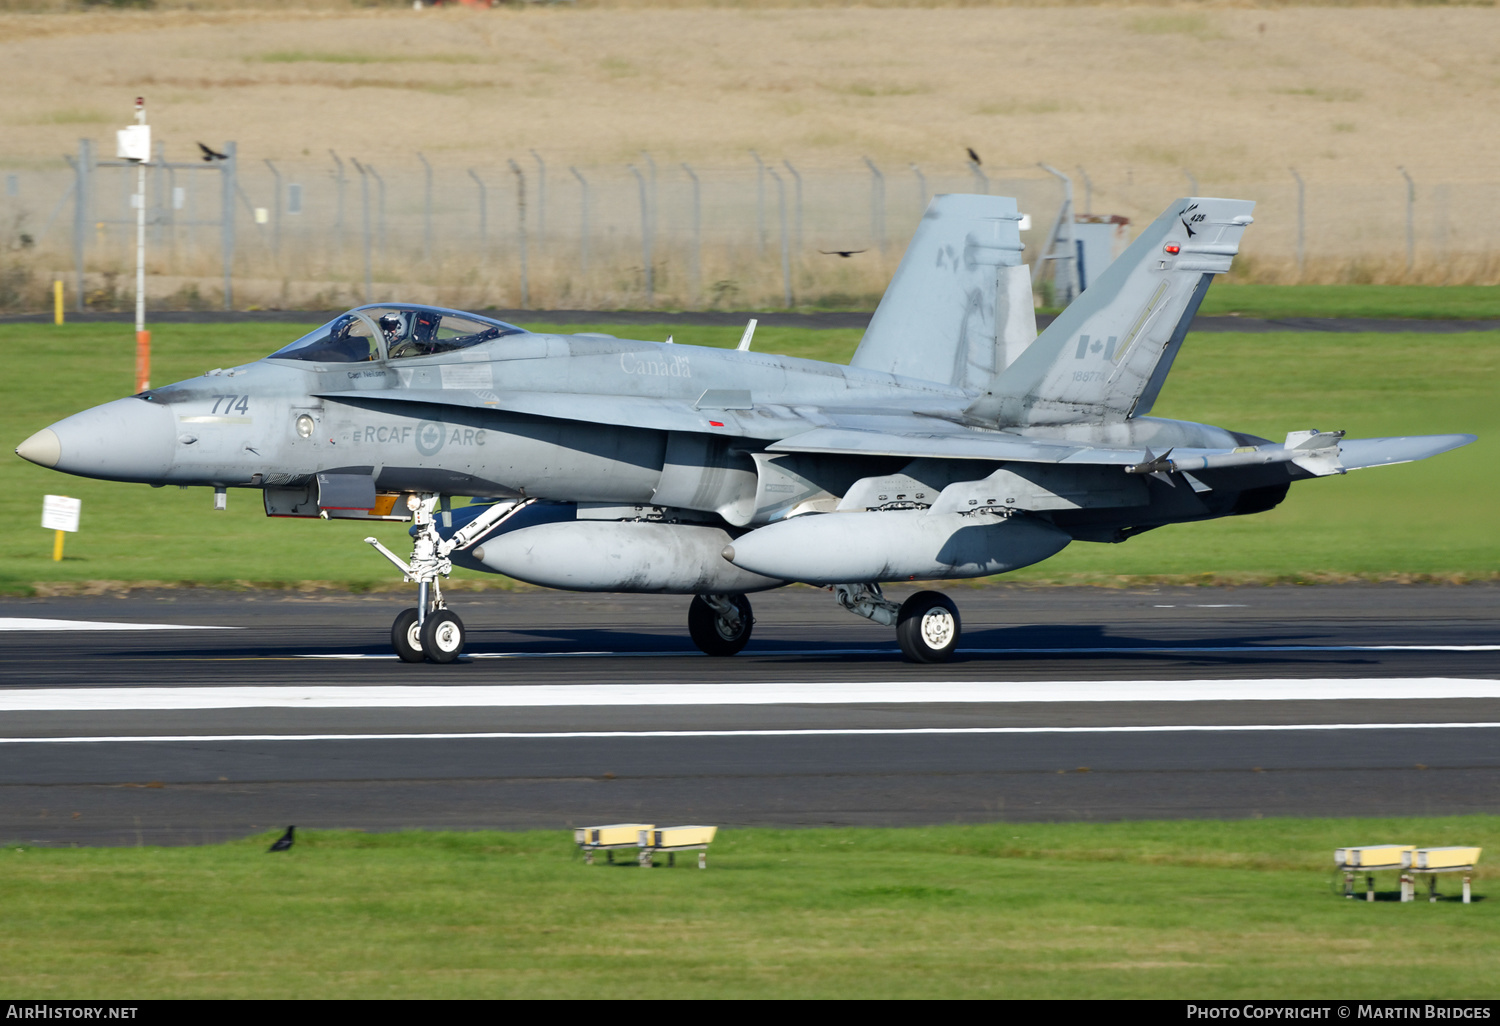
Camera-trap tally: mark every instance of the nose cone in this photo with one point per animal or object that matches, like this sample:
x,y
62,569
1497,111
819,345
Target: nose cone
x,y
126,440
42,448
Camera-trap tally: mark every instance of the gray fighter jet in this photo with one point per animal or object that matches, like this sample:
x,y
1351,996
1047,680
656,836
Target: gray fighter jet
x,y
957,443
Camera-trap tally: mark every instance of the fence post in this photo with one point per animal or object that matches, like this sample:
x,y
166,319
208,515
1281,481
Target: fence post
x,y
1192,181
697,233
645,236
379,206
338,219
521,231
979,176
228,168
786,242
877,203
797,178
277,210
169,212
364,220
583,225
541,199
484,217
921,187
81,215
1061,236
760,202
426,210
1088,190
1411,226
159,208
1301,223
651,180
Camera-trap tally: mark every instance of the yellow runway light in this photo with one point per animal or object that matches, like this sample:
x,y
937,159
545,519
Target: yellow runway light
x,y
1373,856
1441,858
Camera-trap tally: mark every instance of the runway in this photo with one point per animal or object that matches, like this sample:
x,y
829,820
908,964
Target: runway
x,y
126,720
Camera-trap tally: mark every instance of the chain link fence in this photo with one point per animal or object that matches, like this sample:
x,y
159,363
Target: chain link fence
x,y
752,232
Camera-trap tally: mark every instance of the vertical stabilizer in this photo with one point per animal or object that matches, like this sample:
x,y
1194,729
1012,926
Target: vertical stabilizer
x,y
951,313
1106,356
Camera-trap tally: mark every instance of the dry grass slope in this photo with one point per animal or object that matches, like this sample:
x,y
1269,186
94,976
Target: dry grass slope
x,y
1143,98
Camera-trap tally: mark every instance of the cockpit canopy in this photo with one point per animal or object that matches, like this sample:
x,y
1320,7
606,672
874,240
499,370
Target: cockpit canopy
x,y
393,332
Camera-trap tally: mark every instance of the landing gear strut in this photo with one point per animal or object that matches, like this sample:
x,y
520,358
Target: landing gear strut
x,y
720,624
431,630
927,624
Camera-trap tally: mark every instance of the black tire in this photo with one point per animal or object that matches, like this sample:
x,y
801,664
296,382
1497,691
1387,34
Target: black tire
x,y
406,637
710,635
442,636
928,627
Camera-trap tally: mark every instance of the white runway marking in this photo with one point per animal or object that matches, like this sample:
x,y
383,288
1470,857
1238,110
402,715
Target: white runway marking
x,y
810,732
754,693
22,623
1072,650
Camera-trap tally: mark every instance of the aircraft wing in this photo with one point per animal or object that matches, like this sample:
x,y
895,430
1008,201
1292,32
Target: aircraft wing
x,y
767,421
821,429
957,444
860,430
1357,453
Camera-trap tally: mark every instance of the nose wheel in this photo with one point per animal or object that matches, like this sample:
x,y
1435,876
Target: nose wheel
x,y
406,636
443,636
431,631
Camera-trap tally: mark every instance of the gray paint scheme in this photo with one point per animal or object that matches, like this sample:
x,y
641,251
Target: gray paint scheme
x,y
956,443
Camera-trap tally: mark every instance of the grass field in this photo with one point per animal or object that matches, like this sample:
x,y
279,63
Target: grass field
x,y
1438,302
1436,517
1152,909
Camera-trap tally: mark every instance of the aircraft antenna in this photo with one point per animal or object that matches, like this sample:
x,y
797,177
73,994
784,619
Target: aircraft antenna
x,y
744,346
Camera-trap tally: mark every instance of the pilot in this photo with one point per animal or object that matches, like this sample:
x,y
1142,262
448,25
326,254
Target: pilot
x,y
393,326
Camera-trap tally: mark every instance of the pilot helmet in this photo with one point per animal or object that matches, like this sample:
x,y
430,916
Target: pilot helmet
x,y
390,323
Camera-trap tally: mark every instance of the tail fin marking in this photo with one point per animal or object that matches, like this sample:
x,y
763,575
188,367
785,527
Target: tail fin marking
x,y
954,311
1106,356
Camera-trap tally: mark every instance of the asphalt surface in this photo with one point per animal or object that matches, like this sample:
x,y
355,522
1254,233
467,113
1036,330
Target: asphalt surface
x,y
832,319
1064,704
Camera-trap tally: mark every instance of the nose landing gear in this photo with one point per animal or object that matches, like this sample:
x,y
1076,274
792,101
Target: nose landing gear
x,y
431,630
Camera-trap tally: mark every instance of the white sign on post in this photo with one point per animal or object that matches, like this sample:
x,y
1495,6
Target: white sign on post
x,y
134,143
60,513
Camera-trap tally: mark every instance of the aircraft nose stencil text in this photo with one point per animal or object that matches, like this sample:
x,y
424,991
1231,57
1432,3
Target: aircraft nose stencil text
x,y
430,436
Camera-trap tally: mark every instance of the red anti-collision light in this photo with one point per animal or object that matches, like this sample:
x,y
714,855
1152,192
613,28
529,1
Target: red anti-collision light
x,y
1173,248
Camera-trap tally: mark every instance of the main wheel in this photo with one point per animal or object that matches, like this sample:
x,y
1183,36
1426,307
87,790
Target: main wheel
x,y
442,636
717,635
928,627
406,636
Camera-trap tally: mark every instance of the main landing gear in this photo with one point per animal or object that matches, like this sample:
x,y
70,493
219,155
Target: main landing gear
x,y
431,630
927,624
720,624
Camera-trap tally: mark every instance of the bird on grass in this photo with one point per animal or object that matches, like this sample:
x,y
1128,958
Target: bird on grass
x,y
972,155
845,253
284,842
212,155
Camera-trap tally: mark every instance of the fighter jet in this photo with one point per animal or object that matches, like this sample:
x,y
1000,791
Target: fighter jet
x,y
957,443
